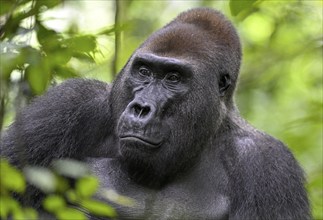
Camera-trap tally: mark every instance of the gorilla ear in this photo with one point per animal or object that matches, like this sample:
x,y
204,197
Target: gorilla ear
x,y
224,83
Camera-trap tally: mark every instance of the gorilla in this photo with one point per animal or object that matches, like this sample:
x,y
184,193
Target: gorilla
x,y
167,132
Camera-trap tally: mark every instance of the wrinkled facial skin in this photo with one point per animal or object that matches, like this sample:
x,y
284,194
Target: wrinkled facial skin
x,y
155,83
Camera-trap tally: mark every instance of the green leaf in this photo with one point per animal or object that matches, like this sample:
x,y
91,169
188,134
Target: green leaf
x,y
30,55
37,73
70,213
108,31
48,38
18,214
65,72
48,3
59,56
83,44
8,62
83,57
11,178
70,168
4,207
62,184
40,177
54,203
6,6
8,206
72,196
38,77
30,214
237,6
98,208
87,186
116,198
10,27
14,16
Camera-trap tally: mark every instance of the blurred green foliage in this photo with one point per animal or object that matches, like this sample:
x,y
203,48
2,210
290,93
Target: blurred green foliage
x,y
65,199
280,89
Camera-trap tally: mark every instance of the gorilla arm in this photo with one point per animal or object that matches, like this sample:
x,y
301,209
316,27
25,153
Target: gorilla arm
x,y
70,120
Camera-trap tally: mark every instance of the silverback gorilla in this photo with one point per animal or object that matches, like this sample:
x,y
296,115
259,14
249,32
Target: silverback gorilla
x,y
166,132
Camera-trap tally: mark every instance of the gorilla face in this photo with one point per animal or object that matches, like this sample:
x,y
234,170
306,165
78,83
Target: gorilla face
x,y
155,83
152,122
162,127
169,100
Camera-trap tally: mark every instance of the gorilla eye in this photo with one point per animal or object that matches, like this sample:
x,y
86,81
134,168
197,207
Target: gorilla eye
x,y
143,71
173,77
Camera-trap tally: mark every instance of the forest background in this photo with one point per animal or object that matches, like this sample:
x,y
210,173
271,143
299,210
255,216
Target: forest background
x,y
280,91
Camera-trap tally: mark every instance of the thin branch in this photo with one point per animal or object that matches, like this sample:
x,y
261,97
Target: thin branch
x,y
117,39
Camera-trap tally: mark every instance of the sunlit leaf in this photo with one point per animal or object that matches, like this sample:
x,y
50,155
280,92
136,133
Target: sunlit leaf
x,y
11,178
12,22
6,6
62,184
48,3
30,214
31,55
118,199
18,214
8,206
237,6
65,72
38,77
48,38
59,56
87,186
258,27
71,196
9,62
85,43
108,31
54,203
10,27
40,177
70,213
98,208
37,73
71,168
4,207
83,57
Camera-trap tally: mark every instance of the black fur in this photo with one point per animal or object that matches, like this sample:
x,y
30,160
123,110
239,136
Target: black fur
x,y
168,131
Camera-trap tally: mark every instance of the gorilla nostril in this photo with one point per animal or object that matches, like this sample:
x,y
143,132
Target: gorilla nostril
x,y
137,109
141,111
145,111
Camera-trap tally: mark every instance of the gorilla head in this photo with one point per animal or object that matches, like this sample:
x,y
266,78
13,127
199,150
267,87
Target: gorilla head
x,y
173,94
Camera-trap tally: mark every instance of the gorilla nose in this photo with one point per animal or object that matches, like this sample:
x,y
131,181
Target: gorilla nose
x,y
141,110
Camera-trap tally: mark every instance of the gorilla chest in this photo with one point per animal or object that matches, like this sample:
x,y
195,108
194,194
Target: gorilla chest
x,y
188,199
177,205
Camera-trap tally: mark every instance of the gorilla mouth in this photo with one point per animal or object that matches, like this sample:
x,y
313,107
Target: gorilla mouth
x,y
143,140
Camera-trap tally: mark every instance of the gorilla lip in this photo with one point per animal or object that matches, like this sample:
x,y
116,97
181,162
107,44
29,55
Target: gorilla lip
x,y
135,138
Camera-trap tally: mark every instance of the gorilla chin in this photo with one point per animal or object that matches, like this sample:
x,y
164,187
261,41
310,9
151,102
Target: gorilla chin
x,y
144,160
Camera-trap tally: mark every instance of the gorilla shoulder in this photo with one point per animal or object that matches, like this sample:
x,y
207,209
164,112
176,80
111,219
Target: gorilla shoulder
x,y
262,172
